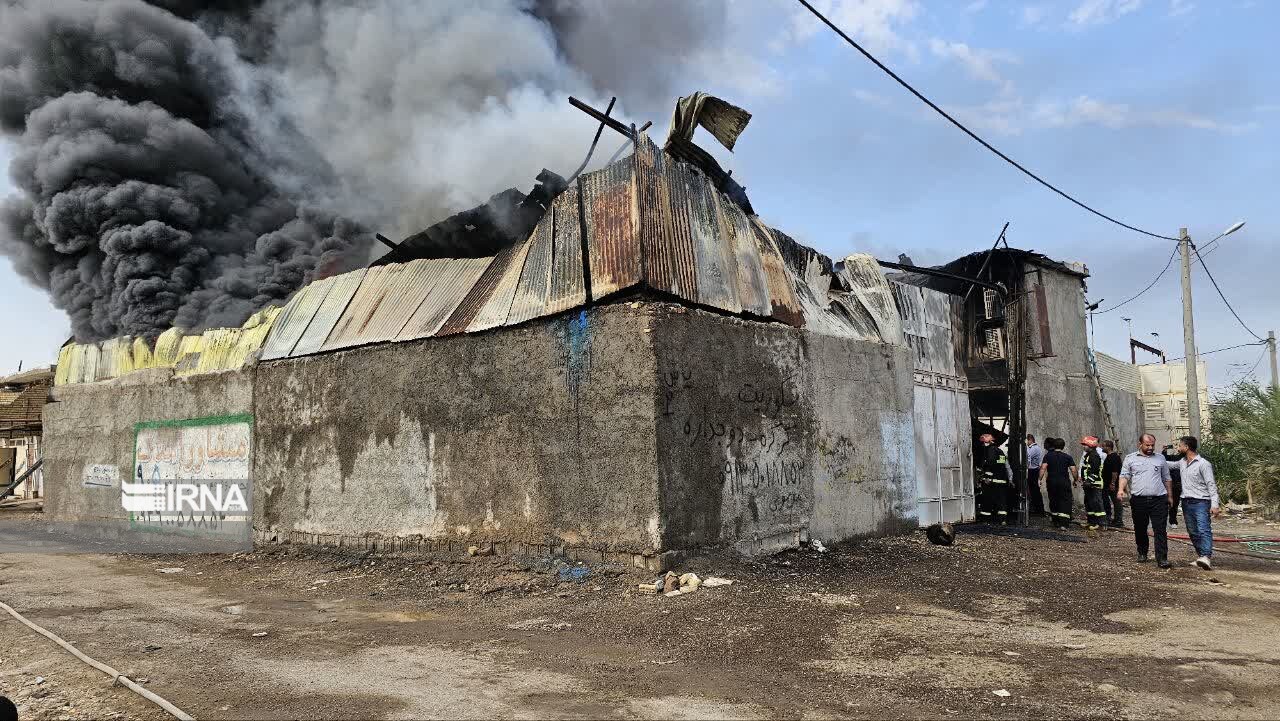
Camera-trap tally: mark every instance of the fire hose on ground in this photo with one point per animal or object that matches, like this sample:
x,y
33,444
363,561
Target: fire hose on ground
x,y
114,674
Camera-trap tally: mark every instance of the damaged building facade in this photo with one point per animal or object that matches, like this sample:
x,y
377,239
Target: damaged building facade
x,y
635,368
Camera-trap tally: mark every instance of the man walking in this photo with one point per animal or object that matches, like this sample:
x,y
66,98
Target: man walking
x,y
1058,473
1091,478
1144,476
1172,455
1199,498
1111,478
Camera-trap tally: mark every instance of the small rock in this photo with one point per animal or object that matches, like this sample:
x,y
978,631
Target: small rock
x,y
171,569
713,581
690,582
260,634
233,610
1107,687
39,680
1002,693
670,582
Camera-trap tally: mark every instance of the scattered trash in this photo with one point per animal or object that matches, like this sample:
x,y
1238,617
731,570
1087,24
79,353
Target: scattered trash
x,y
173,569
574,573
1074,646
233,610
816,544
260,634
539,624
1012,653
673,594
651,588
941,534
670,582
713,581
689,582
1002,693
39,680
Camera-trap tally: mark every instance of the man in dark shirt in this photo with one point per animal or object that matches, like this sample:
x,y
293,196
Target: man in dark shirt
x,y
1111,478
1058,473
1175,474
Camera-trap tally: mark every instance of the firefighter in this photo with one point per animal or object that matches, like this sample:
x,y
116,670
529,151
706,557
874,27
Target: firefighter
x,y
993,477
1094,487
1057,473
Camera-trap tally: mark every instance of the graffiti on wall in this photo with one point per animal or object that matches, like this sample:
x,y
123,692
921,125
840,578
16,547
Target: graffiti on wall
x,y
193,473
101,475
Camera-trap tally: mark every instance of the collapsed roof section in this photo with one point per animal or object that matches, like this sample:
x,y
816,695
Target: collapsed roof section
x,y
648,223
1002,262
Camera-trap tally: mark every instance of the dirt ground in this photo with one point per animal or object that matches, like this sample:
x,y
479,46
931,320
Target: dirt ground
x,y
887,628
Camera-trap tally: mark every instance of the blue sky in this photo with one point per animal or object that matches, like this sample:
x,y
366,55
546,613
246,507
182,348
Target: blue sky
x,y
1164,113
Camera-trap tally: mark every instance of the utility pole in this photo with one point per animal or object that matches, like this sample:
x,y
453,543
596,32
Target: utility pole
x,y
1275,374
1189,335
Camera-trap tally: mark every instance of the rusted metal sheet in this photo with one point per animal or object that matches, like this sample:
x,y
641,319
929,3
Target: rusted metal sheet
x,y
535,280
568,288
782,295
379,310
454,279
481,292
714,256
611,214
295,317
497,308
666,237
215,353
867,284
752,283
331,309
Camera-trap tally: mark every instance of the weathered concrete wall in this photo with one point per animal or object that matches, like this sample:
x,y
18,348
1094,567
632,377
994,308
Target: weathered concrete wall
x,y
1126,413
626,431
541,434
768,435
89,442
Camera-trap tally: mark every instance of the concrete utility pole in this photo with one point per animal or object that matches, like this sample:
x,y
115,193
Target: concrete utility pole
x,y
1275,374
1189,336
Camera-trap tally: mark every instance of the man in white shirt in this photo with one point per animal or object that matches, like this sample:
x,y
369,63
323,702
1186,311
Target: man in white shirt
x,y
1199,498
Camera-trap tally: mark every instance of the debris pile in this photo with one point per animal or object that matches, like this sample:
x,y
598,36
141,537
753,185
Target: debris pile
x,y
675,584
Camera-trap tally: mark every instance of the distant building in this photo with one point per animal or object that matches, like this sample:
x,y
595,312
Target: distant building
x,y
22,399
1164,400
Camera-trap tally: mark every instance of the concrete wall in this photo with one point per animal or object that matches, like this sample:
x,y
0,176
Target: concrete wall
x,y
768,435
540,434
626,431
89,436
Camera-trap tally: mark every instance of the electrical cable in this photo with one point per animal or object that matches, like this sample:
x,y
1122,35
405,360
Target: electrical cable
x,y
966,130
1150,285
1257,363
1223,297
1219,350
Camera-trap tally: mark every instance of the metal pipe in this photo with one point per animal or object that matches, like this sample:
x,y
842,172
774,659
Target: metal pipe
x,y
945,274
604,119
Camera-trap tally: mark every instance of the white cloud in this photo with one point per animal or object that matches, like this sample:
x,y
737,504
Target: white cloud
x,y
1013,116
979,63
873,23
1098,12
1033,15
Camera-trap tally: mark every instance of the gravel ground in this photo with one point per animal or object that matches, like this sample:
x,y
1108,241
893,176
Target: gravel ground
x,y
885,628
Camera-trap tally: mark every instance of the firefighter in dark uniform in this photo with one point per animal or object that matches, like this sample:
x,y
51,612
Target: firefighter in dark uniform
x,y
1094,487
993,479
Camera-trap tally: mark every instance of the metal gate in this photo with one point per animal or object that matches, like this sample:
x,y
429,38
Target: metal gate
x,y
943,433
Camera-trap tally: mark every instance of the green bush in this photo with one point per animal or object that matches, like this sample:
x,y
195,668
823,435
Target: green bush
x,y
1244,443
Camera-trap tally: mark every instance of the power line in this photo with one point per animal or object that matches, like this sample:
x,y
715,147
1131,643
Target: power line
x,y
966,130
1150,285
1223,297
1218,350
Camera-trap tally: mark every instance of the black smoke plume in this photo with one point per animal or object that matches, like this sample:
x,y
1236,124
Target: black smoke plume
x,y
186,163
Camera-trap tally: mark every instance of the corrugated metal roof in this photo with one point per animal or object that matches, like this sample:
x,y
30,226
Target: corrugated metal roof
x,y
714,255
1117,374
611,214
482,291
782,294
452,279
495,310
387,298
535,280
295,317
753,284
568,289
667,239
165,354
331,309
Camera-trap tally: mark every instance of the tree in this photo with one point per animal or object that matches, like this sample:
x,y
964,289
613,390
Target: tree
x,y
1244,443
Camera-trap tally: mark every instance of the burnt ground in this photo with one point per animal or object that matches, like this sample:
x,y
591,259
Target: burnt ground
x,y
886,628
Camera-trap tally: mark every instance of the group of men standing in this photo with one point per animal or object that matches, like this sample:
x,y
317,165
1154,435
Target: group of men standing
x,y
1151,483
